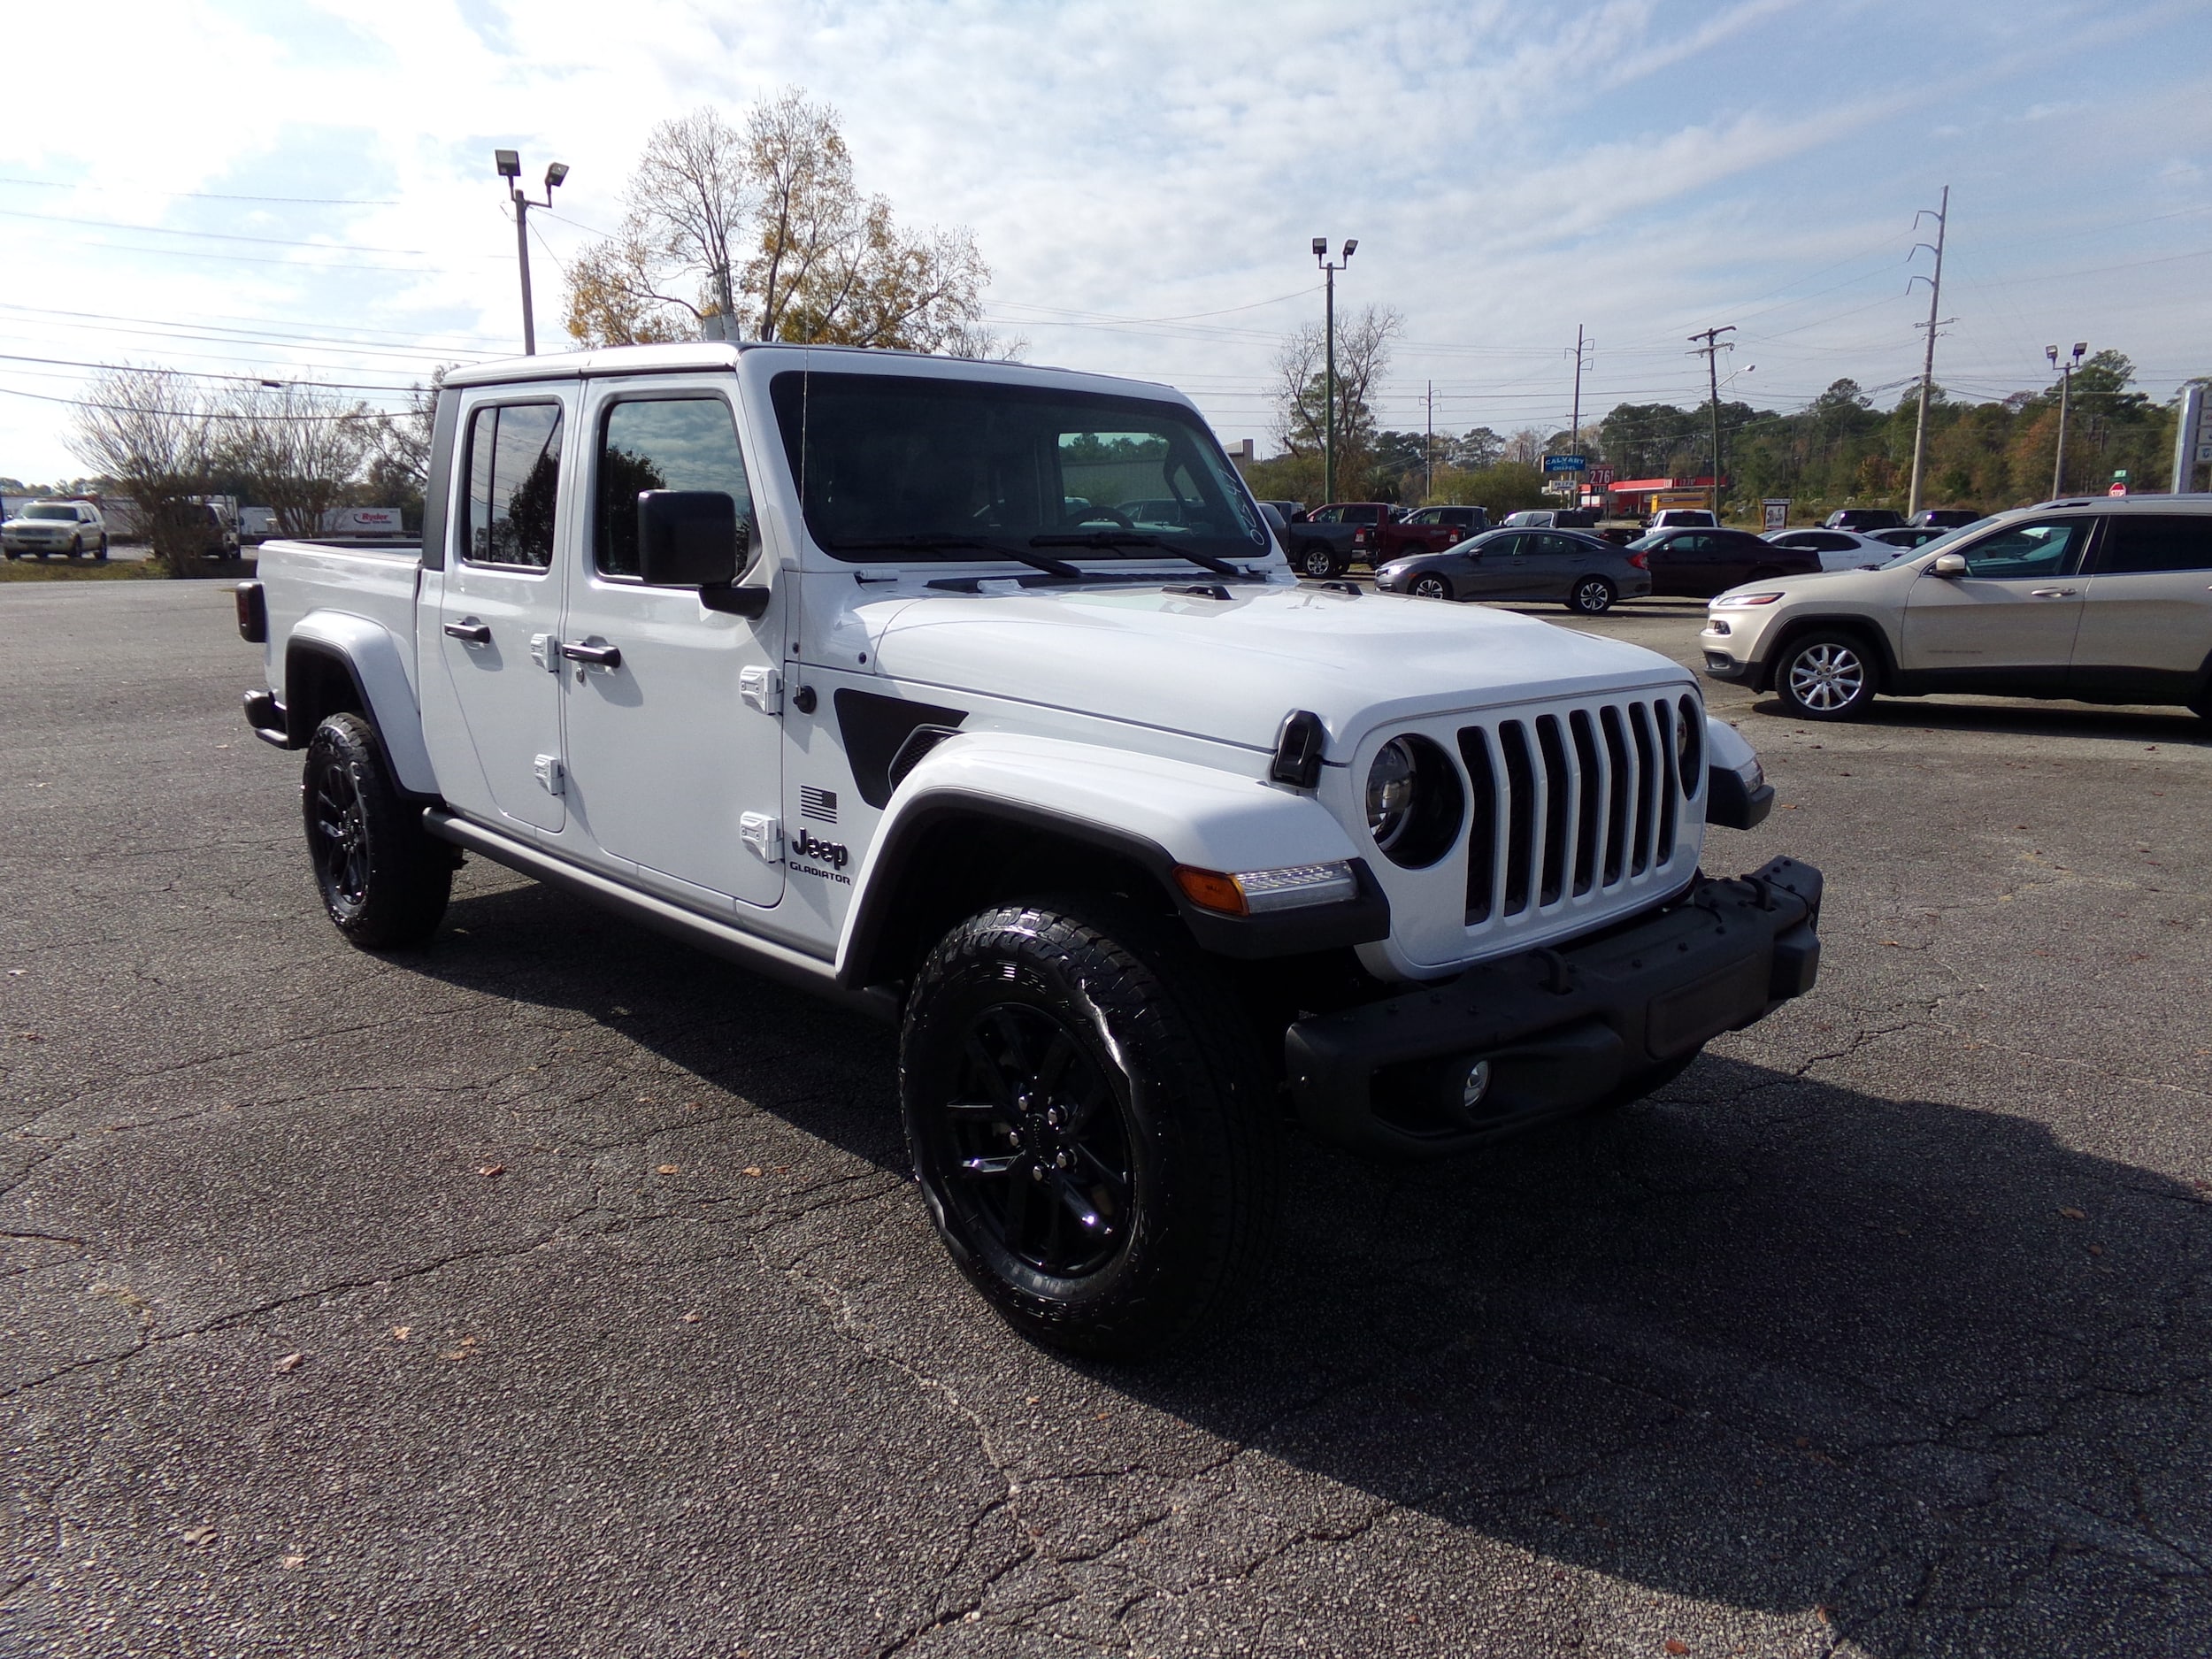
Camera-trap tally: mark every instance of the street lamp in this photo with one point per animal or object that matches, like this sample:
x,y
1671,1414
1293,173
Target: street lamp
x,y
509,164
2065,388
1328,439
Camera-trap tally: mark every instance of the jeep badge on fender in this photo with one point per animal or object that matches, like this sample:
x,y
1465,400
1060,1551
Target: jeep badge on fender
x,y
1144,846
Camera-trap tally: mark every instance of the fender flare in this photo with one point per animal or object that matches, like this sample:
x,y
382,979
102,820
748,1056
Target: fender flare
x,y
1849,622
1153,812
375,662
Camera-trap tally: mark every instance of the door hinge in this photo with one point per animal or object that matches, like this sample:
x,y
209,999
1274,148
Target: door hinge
x,y
550,774
763,832
545,651
763,687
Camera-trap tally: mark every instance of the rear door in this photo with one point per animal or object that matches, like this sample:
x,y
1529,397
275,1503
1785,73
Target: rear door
x,y
675,742
2146,612
1680,563
498,745
2012,617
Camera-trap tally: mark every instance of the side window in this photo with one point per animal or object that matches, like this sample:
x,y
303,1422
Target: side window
x,y
2052,549
662,443
2141,543
514,478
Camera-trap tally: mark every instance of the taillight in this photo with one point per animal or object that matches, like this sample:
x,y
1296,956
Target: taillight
x,y
1641,561
253,613
1359,537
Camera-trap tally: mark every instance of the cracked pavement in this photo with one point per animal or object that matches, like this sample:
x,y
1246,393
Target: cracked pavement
x,y
1886,1330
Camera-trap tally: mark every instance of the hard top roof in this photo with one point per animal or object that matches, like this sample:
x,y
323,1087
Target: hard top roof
x,y
693,355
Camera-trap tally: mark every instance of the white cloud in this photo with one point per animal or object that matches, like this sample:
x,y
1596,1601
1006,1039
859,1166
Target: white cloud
x,y
1510,167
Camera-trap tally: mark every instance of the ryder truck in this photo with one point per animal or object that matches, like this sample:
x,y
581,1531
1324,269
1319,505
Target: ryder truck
x,y
822,660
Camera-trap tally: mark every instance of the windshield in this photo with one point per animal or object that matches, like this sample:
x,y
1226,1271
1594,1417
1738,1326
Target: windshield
x,y
1938,543
893,467
69,513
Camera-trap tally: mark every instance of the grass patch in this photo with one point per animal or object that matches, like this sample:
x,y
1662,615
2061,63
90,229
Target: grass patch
x,y
31,570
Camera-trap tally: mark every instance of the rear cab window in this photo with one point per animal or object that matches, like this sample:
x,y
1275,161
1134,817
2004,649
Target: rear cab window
x,y
512,484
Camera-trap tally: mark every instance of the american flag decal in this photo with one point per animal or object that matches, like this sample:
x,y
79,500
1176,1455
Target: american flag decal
x,y
818,804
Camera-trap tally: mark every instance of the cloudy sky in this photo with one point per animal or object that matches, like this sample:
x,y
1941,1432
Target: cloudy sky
x,y
304,190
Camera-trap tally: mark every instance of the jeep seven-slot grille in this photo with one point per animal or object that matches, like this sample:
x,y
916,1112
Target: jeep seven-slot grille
x,y
1566,804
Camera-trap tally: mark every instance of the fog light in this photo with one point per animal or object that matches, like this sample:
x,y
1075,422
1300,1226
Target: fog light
x,y
1475,1086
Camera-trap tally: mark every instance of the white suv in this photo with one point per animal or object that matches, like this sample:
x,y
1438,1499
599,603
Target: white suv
x,y
2101,600
70,527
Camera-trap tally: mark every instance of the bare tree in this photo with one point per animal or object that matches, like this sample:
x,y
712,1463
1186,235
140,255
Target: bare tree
x,y
298,450
691,198
399,463
828,264
1527,447
151,432
1363,356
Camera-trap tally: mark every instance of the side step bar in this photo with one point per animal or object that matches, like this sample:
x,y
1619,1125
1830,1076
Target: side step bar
x,y
705,932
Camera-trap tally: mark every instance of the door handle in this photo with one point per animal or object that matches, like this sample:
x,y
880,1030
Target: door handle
x,y
474,633
598,655
2051,592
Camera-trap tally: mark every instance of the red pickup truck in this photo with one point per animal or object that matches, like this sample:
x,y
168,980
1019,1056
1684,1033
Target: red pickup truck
x,y
1331,539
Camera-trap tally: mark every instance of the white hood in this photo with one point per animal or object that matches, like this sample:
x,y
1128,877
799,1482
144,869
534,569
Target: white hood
x,y
1231,669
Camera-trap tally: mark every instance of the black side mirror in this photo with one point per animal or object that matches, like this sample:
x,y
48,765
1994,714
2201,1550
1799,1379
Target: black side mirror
x,y
686,538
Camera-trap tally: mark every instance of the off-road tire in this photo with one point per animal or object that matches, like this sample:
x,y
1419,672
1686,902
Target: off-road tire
x,y
1431,587
1151,1036
384,880
1319,562
1826,676
1592,596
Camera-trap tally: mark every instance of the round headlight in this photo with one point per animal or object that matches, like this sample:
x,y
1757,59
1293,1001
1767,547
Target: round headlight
x,y
1390,792
1415,805
1689,745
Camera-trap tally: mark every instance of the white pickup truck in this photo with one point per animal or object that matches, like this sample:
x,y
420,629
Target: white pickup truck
x,y
887,676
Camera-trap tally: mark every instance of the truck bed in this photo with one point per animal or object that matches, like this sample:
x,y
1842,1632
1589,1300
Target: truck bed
x,y
375,581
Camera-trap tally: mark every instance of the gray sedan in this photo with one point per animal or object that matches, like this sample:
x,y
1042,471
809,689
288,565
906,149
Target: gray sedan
x,y
1581,572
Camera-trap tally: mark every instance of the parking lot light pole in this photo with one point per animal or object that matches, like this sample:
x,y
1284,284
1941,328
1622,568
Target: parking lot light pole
x,y
2065,393
509,164
1328,424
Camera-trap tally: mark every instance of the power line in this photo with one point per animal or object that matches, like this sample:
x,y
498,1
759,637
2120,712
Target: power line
x,y
201,374
178,414
197,195
212,236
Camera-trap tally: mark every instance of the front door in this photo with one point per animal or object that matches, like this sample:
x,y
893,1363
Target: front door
x,y
675,739
2146,618
497,744
2012,617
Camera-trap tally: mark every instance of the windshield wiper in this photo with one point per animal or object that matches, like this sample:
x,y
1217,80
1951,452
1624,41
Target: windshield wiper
x,y
1106,540
945,545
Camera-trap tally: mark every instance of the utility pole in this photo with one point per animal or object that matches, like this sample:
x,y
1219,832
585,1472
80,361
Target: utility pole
x,y
1574,421
1927,363
509,164
1328,439
1714,345
1428,446
2065,392
2192,434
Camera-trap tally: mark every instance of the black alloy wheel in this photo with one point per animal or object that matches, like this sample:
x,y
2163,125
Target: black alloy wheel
x,y
1317,561
384,880
1430,585
1591,596
76,547
1084,1104
1040,1144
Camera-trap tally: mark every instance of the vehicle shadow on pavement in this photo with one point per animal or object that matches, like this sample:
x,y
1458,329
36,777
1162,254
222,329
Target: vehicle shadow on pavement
x,y
1920,1371
2014,719
1771,1343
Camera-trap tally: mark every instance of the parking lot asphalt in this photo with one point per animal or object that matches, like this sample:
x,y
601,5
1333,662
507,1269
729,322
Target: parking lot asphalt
x,y
556,1290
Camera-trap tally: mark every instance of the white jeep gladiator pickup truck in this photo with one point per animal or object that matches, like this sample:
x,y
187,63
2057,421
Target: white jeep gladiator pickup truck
x,y
854,668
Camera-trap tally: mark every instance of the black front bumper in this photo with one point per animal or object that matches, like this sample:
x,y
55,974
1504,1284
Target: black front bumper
x,y
1561,1029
